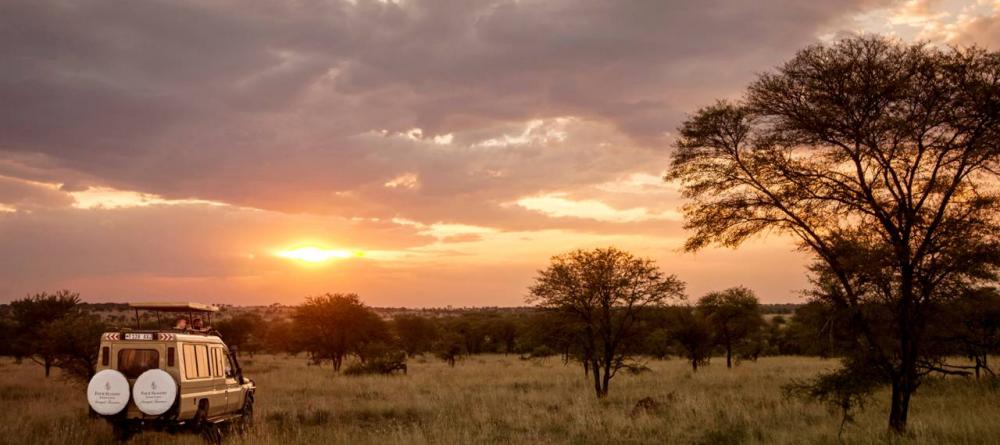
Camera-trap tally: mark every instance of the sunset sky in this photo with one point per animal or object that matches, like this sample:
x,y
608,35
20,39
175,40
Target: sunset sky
x,y
417,152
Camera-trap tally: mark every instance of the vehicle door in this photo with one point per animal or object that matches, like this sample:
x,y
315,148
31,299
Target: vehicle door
x,y
234,391
203,382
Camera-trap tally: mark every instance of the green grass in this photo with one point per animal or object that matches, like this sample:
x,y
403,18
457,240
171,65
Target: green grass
x,y
504,400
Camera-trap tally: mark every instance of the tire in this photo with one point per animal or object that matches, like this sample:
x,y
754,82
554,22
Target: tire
x,y
209,431
245,421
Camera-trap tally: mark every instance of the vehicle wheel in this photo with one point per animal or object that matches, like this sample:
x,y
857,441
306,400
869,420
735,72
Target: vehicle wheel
x,y
246,415
208,430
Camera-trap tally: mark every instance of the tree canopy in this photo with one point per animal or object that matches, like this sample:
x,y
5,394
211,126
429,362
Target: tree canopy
x,y
603,291
881,160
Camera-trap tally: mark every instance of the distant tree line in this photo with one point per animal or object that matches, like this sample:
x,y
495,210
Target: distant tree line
x,y
55,330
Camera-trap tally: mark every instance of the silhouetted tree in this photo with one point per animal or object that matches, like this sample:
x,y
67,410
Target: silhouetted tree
x,y
692,333
881,159
333,326
245,331
603,291
280,337
76,341
734,316
33,316
416,334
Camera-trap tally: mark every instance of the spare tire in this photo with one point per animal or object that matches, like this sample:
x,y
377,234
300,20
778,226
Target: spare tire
x,y
154,392
108,392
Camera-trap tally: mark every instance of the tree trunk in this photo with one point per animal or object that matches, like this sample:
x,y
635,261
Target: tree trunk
x,y
900,406
597,379
904,382
48,367
729,356
694,365
606,379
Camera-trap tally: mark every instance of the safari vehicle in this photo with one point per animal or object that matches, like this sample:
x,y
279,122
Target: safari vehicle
x,y
170,379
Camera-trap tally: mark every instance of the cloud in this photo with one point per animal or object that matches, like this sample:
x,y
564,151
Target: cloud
x,y
404,181
170,145
558,205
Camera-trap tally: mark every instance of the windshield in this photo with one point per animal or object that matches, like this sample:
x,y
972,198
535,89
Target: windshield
x,y
133,362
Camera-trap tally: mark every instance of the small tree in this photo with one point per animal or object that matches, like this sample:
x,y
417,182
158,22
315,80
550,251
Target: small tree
x,y
734,316
603,291
690,331
245,331
32,317
415,334
76,341
333,326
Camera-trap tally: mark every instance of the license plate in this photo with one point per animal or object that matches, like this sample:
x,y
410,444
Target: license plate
x,y
138,336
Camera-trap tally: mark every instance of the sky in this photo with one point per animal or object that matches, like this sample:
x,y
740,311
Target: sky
x,y
420,153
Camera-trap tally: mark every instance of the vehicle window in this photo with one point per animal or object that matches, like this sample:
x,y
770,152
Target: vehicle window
x,y
217,362
132,362
190,362
201,351
196,362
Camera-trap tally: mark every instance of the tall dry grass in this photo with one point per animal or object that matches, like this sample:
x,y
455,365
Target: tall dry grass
x,y
504,400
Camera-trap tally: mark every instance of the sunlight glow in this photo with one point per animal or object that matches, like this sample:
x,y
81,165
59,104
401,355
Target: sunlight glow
x,y
313,254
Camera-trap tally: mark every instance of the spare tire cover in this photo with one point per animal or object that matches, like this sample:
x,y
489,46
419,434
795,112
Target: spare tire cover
x,y
108,392
154,392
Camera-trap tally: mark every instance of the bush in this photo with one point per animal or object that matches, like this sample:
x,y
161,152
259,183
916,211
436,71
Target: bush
x,y
385,363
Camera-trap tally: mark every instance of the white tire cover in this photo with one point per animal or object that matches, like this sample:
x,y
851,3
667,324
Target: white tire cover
x,y
154,392
108,392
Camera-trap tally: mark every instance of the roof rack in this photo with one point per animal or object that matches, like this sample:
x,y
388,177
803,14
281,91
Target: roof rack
x,y
174,307
185,308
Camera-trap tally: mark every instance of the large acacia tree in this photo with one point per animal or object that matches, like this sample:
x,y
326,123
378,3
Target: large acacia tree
x,y
881,160
604,292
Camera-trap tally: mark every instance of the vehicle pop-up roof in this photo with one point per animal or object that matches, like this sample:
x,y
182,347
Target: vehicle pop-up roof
x,y
183,308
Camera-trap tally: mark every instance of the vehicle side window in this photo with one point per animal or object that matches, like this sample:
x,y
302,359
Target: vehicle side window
x,y
190,362
133,362
196,364
217,360
201,351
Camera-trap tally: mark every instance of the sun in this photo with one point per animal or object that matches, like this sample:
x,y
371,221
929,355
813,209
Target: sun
x,y
314,254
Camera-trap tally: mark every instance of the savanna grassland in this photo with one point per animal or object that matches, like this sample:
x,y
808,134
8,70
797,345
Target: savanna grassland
x,y
499,399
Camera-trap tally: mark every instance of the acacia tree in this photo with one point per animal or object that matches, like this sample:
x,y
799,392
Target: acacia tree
x,y
604,291
33,316
334,326
689,330
881,159
734,316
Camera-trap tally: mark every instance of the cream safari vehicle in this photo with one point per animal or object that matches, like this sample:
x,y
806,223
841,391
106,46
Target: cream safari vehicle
x,y
170,379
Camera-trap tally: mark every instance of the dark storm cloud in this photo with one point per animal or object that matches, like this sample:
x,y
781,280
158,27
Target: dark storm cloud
x,y
271,104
